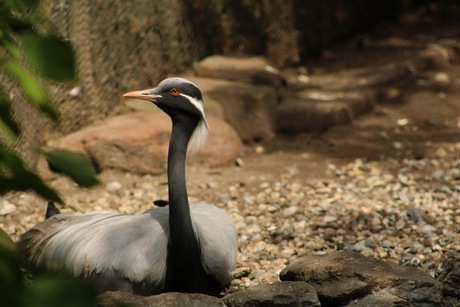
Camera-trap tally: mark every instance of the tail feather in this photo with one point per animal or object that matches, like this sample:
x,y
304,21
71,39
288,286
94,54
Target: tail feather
x,y
51,210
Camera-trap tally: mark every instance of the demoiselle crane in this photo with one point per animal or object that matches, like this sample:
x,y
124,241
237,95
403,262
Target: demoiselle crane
x,y
181,247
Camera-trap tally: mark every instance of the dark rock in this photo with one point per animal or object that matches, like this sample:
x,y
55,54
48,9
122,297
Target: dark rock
x,y
450,276
381,299
138,142
276,294
344,276
437,56
172,299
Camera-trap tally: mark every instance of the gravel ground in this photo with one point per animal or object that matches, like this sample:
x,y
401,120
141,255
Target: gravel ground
x,y
401,214
405,211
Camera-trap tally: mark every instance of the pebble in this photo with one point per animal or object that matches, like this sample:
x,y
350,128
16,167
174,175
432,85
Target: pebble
x,y
290,211
398,145
6,207
441,79
402,121
441,152
75,92
113,186
330,218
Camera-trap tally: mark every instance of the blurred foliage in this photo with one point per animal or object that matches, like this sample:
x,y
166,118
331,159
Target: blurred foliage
x,y
47,56
48,291
77,167
24,54
10,270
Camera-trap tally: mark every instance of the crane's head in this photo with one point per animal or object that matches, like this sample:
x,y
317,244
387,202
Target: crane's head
x,y
178,97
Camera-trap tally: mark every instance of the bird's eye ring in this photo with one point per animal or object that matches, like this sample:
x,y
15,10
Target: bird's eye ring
x,y
174,92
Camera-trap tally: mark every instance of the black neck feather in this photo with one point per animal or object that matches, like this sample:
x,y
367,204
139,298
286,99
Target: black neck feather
x,y
185,271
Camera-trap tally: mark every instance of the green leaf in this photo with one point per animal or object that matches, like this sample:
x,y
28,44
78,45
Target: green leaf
x,y
19,178
8,126
59,291
32,88
51,56
10,270
17,4
76,166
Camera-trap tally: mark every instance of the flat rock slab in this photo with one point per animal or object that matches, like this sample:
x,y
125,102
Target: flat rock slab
x,y
256,70
294,293
341,277
334,99
360,78
172,299
313,110
138,142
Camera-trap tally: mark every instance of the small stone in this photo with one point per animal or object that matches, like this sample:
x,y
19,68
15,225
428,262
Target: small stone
x,y
249,199
212,185
75,92
441,79
259,149
239,162
290,211
398,146
414,214
113,186
369,242
441,153
6,207
387,244
329,233
402,121
438,175
427,228
329,218
359,246
292,170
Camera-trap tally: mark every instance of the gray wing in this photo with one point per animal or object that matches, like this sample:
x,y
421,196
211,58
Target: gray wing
x,y
119,251
218,239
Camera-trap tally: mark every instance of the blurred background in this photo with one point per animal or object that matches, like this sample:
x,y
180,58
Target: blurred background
x,y
125,45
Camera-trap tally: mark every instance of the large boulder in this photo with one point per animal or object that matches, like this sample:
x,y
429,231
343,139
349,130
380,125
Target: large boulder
x,y
138,142
288,293
172,299
450,275
381,299
345,277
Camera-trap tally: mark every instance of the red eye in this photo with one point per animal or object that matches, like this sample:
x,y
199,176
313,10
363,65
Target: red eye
x,y
174,92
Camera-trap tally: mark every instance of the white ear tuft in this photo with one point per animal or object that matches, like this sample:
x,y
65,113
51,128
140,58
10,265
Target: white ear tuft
x,y
199,137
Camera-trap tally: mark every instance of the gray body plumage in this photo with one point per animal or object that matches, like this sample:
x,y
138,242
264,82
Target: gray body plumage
x,y
181,247
129,252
